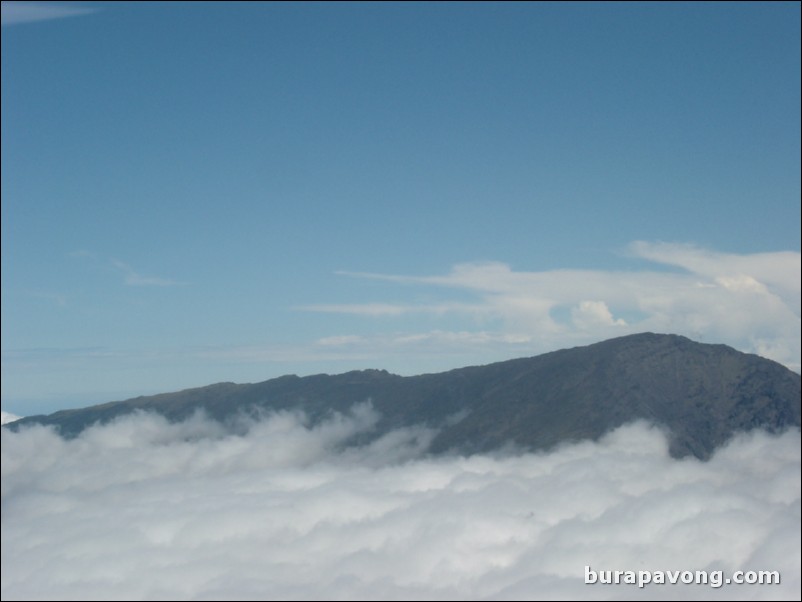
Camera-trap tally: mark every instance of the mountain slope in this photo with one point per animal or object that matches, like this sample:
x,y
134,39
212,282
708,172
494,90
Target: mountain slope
x,y
701,393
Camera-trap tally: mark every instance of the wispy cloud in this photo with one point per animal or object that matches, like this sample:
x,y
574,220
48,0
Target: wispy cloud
x,y
779,271
133,278
14,13
59,299
340,341
389,309
81,253
419,343
751,302
361,309
403,352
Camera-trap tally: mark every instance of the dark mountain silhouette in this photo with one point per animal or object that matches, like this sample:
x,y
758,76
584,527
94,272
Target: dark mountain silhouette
x,y
700,393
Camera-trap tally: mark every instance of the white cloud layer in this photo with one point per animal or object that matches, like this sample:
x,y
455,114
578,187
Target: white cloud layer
x,y
143,509
750,302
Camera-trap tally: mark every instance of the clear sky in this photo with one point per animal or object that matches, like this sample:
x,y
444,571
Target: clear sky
x,y
202,192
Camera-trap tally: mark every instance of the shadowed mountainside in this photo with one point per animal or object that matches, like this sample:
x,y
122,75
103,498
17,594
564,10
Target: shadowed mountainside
x,y
701,393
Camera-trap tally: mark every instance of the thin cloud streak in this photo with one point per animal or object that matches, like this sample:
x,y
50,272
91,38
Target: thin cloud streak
x,y
15,13
389,309
133,278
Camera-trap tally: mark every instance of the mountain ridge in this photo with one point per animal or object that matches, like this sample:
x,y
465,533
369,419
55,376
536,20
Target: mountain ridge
x,y
701,393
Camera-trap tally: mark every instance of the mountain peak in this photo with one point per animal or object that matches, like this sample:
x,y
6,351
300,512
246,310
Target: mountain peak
x,y
700,393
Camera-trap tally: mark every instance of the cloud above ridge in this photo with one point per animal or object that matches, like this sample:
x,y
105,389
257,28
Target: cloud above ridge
x,y
751,302
279,509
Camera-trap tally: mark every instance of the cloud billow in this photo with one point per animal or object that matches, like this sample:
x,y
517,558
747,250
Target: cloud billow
x,y
750,302
145,509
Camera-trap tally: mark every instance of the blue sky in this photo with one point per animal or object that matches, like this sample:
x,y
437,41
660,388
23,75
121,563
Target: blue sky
x,y
201,192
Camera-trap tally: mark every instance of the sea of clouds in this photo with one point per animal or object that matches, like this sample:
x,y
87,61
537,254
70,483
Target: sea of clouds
x,y
282,509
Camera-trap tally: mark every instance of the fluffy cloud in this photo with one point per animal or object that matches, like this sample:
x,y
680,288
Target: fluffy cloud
x,y
6,417
594,313
751,302
143,509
